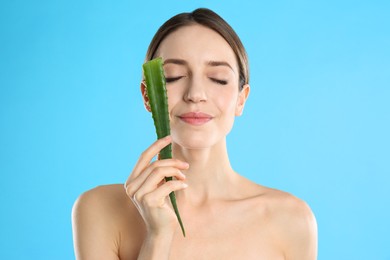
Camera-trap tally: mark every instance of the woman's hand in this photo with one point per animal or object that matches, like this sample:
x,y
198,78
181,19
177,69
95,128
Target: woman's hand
x,y
149,192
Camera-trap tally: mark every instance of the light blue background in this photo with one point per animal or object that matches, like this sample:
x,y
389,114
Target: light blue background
x,y
317,122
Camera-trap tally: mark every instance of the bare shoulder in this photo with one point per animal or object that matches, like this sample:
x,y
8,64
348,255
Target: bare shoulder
x,y
104,192
105,200
102,218
283,209
294,222
287,205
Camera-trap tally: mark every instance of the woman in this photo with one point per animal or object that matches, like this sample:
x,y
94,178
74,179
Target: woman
x,y
225,215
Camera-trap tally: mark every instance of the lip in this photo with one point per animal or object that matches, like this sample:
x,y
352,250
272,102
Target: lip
x,y
195,118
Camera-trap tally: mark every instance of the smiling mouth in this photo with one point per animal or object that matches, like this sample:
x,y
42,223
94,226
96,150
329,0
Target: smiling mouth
x,y
195,118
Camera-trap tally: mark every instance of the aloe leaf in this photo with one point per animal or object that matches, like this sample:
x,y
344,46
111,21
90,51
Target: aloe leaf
x,y
157,94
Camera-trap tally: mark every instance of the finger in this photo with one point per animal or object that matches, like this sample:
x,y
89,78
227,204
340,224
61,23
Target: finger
x,y
148,155
158,196
151,152
155,178
175,163
132,185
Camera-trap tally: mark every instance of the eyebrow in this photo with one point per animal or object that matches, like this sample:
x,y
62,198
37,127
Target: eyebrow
x,y
175,61
219,63
210,63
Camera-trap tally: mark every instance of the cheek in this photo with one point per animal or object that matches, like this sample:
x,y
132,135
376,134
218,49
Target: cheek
x,y
226,101
174,97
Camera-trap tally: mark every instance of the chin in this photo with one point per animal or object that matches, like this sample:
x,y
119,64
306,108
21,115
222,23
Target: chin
x,y
194,141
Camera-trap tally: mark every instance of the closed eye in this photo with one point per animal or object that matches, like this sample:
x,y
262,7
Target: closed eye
x,y
219,81
172,79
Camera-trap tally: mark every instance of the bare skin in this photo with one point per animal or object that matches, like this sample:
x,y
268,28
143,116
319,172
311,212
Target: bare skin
x,y
226,216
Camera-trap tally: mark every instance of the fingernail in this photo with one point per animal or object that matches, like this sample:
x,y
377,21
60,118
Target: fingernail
x,y
185,185
185,164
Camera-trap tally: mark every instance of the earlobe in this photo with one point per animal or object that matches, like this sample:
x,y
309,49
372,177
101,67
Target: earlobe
x,y
145,96
242,97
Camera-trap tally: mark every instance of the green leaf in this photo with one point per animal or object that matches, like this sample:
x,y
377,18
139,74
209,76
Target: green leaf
x,y
157,94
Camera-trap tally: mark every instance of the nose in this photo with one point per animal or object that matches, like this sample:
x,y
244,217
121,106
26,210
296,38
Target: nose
x,y
195,91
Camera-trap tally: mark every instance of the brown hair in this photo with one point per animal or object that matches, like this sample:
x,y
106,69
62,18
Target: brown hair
x,y
209,19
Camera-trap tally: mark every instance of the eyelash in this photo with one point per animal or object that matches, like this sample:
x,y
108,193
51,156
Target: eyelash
x,y
169,80
218,81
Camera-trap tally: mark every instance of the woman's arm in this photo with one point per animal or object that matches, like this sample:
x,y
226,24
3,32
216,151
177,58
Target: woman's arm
x,y
103,215
156,247
94,233
104,219
300,229
149,192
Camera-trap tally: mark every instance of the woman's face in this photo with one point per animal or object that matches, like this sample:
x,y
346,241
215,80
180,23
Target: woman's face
x,y
202,84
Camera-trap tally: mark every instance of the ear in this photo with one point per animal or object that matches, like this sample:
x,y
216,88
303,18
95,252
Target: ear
x,y
145,96
242,97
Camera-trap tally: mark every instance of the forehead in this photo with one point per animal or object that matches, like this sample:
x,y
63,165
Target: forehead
x,y
196,44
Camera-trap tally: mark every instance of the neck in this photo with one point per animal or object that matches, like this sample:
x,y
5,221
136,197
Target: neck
x,y
209,174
